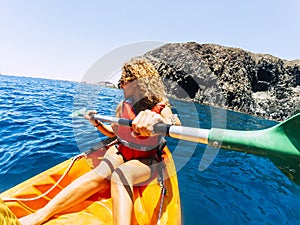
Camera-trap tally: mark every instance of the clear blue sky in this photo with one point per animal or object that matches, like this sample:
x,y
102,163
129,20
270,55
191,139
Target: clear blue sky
x,y
61,39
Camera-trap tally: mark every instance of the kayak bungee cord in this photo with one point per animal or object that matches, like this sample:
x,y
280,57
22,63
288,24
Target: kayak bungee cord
x,y
162,196
75,158
106,142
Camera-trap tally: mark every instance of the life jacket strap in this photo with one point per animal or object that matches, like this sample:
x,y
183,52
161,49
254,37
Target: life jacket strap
x,y
136,146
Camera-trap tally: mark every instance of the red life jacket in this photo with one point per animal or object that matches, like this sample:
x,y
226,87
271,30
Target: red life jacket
x,y
135,147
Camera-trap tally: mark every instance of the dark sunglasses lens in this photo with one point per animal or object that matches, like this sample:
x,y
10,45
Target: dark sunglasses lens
x,y
120,83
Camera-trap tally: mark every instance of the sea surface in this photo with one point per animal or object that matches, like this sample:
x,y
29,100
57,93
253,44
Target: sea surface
x,y
216,186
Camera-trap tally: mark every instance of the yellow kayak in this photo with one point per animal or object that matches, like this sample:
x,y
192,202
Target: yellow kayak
x,y
152,205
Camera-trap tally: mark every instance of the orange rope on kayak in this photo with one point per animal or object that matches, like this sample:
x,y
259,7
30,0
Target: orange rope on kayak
x,y
50,189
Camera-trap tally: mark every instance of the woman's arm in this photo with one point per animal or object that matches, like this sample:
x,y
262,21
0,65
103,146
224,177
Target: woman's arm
x,y
169,117
107,130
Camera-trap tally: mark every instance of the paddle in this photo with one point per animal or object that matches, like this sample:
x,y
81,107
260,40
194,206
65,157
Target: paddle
x,y
282,139
280,143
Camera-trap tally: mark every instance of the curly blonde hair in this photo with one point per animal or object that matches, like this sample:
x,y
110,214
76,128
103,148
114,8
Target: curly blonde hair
x,y
151,87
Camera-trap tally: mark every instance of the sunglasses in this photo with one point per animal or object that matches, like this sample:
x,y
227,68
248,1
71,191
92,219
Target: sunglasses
x,y
125,80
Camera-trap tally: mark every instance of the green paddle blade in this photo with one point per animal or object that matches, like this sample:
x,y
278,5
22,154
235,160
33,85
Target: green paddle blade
x,y
281,144
79,112
282,139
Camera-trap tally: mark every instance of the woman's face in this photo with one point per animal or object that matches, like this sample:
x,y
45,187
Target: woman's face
x,y
129,88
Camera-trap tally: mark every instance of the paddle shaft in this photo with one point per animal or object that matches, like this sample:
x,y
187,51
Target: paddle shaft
x,y
178,132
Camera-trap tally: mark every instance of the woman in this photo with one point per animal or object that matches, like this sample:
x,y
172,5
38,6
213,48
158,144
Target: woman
x,y
132,160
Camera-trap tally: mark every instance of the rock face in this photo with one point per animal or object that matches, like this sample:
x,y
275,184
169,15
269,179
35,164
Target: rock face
x,y
231,78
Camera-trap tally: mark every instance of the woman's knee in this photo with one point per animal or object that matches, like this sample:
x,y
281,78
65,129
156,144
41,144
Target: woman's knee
x,y
121,177
131,173
106,167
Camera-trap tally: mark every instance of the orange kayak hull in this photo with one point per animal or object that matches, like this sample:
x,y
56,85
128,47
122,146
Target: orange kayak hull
x,y
97,209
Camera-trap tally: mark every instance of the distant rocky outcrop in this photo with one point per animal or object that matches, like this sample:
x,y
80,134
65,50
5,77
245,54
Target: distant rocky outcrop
x,y
231,78
106,84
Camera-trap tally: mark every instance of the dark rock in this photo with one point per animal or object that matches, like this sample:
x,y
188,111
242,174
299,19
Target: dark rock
x,y
231,78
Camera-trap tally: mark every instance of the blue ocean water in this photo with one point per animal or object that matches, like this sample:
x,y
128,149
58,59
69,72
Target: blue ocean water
x,y
216,186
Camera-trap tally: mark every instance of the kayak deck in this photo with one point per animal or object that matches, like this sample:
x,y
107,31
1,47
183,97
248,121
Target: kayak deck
x,y
97,209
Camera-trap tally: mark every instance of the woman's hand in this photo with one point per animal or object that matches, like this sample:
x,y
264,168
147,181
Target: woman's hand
x,y
88,116
105,129
143,124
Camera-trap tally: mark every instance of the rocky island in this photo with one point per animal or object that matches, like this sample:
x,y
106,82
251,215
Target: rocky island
x,y
257,84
